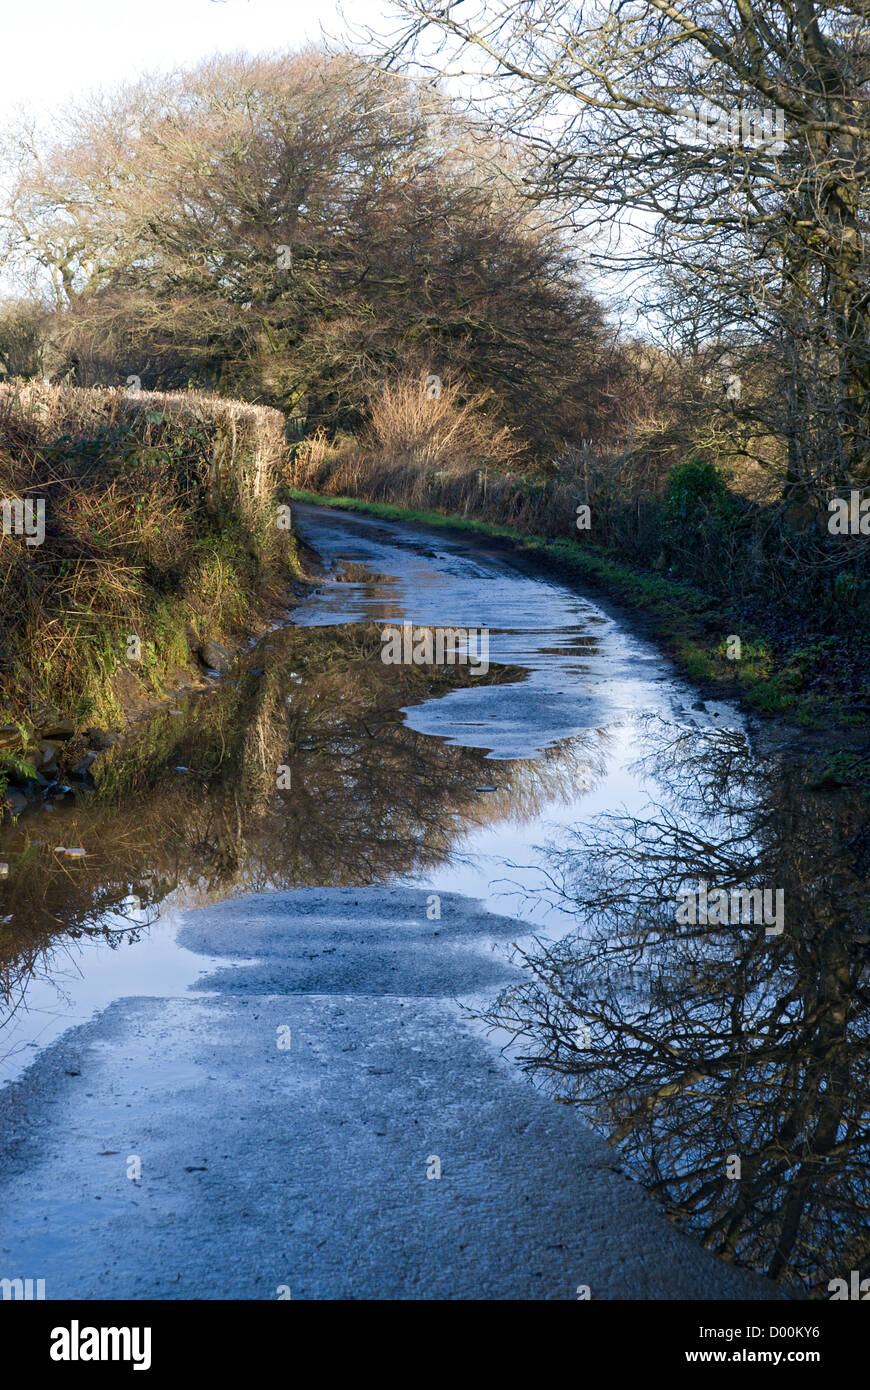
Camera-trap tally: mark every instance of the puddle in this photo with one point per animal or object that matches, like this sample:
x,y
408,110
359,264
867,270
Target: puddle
x,y
578,787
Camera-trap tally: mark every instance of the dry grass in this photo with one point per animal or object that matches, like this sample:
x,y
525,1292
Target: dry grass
x,y
445,453
740,545
159,518
247,440
500,491
424,422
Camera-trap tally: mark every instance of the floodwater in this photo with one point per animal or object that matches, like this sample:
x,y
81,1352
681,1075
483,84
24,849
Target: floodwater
x,y
443,886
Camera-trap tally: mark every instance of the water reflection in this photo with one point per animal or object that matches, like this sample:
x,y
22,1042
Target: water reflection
x,y
729,1066
299,772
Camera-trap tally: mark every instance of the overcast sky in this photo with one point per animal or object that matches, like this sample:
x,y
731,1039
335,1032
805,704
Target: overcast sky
x,y
53,50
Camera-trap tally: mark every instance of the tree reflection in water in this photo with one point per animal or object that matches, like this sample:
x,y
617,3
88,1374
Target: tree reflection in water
x,y
194,809
693,1046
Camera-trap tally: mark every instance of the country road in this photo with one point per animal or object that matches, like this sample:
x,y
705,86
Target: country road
x,y
296,1102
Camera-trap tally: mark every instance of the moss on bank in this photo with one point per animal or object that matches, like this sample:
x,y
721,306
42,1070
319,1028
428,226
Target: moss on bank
x,y
134,529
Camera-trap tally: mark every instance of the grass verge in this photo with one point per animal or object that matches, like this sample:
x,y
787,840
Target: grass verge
x,y
132,530
695,628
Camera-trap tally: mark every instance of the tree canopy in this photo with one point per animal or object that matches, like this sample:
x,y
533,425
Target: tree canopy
x,y
292,228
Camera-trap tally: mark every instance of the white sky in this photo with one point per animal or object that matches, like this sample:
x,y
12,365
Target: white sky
x,y
54,50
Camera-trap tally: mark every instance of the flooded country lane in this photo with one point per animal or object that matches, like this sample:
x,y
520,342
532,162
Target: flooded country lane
x,y
370,982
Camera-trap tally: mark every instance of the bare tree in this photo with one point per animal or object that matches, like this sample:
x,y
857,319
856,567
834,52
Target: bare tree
x,y
721,145
731,1068
293,228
